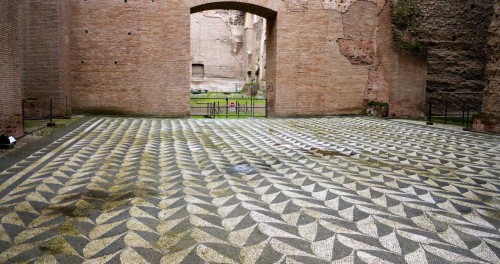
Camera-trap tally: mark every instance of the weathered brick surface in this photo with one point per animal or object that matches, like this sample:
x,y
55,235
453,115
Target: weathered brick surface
x,y
489,119
133,57
10,74
44,34
455,34
320,60
218,43
130,57
492,93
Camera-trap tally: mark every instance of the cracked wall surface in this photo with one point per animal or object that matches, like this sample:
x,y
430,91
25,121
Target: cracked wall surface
x,y
322,57
345,62
343,5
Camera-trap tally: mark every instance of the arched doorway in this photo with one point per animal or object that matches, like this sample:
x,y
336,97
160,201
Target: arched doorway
x,y
267,10
321,59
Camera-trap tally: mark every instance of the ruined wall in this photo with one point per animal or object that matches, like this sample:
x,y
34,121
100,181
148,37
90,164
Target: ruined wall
x,y
130,57
218,43
255,43
403,72
489,119
454,33
323,57
10,74
339,64
45,43
312,76
491,103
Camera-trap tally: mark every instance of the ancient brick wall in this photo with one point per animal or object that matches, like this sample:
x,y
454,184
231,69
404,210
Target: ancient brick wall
x,y
323,57
217,43
403,73
133,58
10,74
454,33
255,43
312,76
491,103
489,119
332,59
130,57
45,42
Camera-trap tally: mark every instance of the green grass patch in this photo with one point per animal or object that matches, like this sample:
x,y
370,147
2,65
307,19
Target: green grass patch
x,y
457,121
222,101
39,127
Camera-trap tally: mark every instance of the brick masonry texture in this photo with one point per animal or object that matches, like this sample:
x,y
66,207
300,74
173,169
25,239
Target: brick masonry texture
x,y
489,119
44,34
218,44
10,77
455,33
133,57
130,57
310,70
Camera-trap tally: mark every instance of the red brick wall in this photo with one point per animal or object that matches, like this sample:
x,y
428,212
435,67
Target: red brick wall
x,y
10,74
329,61
321,60
45,42
221,48
130,58
405,73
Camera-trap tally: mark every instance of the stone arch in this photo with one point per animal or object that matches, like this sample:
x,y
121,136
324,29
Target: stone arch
x,y
264,8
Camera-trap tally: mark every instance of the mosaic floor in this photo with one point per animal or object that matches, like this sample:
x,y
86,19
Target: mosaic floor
x,y
326,190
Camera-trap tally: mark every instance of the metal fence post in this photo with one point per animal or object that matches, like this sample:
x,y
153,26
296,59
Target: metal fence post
x,y
466,128
66,114
429,118
215,111
265,107
463,113
51,123
23,117
227,107
446,111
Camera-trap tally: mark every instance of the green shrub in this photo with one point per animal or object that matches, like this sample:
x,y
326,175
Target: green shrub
x,y
378,104
406,23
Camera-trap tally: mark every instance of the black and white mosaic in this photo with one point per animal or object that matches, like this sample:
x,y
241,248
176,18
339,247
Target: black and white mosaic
x,y
324,190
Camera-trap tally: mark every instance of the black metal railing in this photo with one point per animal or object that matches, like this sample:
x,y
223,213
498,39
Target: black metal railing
x,y
458,108
228,107
40,112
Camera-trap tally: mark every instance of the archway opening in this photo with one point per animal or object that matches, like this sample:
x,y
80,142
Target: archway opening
x,y
232,60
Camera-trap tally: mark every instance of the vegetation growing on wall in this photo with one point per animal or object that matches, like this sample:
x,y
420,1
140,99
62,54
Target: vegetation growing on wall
x,y
376,108
378,104
406,21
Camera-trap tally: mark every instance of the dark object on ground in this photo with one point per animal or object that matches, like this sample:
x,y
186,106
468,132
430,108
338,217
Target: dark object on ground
x,y
7,142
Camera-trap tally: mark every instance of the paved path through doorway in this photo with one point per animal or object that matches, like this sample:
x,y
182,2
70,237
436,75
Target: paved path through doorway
x,y
341,190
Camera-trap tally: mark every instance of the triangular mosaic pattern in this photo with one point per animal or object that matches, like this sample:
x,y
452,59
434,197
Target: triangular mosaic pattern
x,y
325,190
